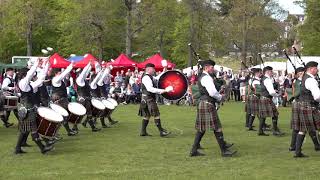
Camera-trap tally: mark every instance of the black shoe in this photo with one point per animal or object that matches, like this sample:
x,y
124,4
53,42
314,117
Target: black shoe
x,y
46,149
20,151
300,155
164,133
7,125
71,133
228,145
251,129
145,134
292,149
277,133
50,142
317,148
228,153
26,145
105,126
200,147
262,134
96,129
57,138
196,153
113,122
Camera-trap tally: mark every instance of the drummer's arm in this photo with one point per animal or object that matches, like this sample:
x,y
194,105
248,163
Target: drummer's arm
x,y
63,74
24,82
93,84
5,84
105,73
83,74
149,86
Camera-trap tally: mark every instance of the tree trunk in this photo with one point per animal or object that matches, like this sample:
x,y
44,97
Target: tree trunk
x,y
29,29
161,43
191,29
244,41
129,33
100,48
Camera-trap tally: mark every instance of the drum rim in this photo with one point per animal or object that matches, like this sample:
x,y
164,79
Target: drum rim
x,y
51,120
113,101
78,104
104,100
58,106
184,78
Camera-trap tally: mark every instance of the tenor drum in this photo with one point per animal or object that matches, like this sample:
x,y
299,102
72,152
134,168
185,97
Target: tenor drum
x,y
77,111
175,79
48,121
59,109
10,102
113,101
97,107
109,107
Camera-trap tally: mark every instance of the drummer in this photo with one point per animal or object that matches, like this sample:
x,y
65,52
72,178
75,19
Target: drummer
x,y
148,105
8,87
27,111
84,95
59,93
103,81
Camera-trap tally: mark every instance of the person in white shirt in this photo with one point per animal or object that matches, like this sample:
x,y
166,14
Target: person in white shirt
x,y
308,110
148,105
207,116
266,107
27,112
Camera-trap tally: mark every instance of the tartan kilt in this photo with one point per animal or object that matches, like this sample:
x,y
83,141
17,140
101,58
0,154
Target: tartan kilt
x,y
252,105
29,123
207,117
267,108
309,117
148,107
295,121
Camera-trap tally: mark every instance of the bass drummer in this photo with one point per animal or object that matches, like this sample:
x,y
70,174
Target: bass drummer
x,y
8,87
148,105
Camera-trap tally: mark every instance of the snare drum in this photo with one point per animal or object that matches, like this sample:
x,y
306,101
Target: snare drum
x,y
10,102
48,121
109,107
97,107
77,111
59,109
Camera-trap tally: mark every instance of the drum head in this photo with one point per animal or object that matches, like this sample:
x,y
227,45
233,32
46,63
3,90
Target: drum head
x,y
77,108
97,104
50,114
59,110
175,79
108,104
114,102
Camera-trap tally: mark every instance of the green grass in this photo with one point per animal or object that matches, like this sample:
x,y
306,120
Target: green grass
x,y
119,153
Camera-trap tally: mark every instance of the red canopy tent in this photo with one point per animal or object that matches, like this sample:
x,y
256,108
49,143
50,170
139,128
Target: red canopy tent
x,y
122,62
56,61
86,59
156,60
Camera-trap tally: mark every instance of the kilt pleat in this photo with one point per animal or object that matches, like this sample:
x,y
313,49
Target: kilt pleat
x,y
295,120
148,107
207,117
252,105
309,117
267,108
29,123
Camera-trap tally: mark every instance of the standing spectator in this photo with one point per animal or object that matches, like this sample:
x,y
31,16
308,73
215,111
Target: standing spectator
x,y
129,94
236,88
136,87
243,84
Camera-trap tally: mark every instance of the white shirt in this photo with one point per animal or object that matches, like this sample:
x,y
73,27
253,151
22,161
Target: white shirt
x,y
6,83
24,83
207,82
313,86
85,72
256,81
268,82
147,82
56,81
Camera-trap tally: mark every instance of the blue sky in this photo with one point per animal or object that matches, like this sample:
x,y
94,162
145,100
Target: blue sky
x,y
290,6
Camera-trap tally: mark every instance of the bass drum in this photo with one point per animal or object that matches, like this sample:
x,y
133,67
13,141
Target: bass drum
x,y
175,79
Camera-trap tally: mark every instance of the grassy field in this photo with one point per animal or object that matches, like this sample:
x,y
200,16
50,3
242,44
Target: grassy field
x,y
119,153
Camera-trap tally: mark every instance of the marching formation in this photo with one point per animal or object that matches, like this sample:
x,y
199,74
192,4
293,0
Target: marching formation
x,y
41,114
